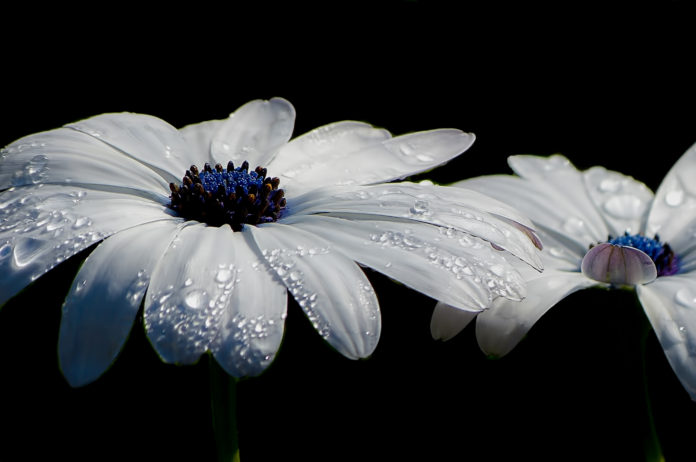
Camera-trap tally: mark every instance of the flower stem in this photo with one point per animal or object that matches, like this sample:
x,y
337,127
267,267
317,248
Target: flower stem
x,y
223,401
652,449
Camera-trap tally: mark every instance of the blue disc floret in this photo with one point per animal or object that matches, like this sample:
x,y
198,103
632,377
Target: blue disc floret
x,y
232,196
666,261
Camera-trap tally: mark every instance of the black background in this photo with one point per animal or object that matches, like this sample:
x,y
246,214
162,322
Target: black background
x,y
607,85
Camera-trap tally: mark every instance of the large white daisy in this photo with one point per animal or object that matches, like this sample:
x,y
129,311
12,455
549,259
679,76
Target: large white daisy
x,y
599,227
213,247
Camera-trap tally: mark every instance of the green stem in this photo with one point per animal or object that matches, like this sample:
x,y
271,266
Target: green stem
x,y
223,401
653,451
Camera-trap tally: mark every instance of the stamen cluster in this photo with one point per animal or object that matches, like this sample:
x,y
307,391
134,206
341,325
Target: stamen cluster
x,y
666,261
232,196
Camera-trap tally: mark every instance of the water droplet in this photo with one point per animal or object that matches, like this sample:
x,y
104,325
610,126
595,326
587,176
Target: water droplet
x,y
674,198
420,207
424,158
609,185
223,275
196,298
80,285
5,250
625,206
685,298
388,264
28,249
574,226
188,282
81,221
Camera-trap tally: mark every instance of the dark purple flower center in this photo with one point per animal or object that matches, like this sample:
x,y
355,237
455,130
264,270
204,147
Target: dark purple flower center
x,y
232,196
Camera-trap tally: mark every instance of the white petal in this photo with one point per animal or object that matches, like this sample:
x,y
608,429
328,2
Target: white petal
x,y
105,298
444,264
186,302
66,156
44,225
500,328
673,213
199,138
458,208
670,304
331,289
448,321
548,209
618,265
146,139
254,132
355,153
252,325
563,182
623,201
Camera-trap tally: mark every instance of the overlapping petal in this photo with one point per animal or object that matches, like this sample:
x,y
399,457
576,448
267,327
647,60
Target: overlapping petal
x,y
442,263
41,226
331,289
464,210
348,153
254,132
670,304
105,297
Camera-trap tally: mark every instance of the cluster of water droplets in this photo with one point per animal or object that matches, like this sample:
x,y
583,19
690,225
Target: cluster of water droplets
x,y
284,263
43,230
34,170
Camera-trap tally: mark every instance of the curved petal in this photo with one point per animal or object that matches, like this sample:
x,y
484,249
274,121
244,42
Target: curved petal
x,y
105,297
548,208
462,209
347,153
254,132
186,300
66,156
199,137
331,289
673,212
618,265
44,225
500,328
145,138
561,179
444,264
670,304
448,321
623,201
252,325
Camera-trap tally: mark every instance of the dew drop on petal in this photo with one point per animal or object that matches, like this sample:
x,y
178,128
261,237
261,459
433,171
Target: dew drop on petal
x,y
624,206
195,298
674,198
609,185
574,226
27,249
685,298
5,250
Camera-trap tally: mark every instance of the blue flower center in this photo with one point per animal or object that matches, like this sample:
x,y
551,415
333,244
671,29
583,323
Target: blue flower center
x,y
232,196
666,261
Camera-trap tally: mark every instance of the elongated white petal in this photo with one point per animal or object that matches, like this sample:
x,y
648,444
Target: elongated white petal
x,y
252,324
623,201
44,225
549,210
199,138
444,264
66,156
458,208
618,265
147,139
354,153
500,328
447,321
670,304
254,132
186,301
673,212
563,182
105,297
331,289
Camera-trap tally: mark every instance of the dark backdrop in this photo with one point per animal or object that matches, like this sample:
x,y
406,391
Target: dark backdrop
x,y
602,85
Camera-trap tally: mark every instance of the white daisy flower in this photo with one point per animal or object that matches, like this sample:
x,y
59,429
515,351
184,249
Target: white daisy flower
x,y
599,228
214,254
